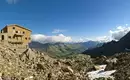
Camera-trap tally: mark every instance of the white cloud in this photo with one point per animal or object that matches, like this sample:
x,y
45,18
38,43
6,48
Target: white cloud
x,y
103,39
78,40
116,34
58,31
119,32
12,1
51,39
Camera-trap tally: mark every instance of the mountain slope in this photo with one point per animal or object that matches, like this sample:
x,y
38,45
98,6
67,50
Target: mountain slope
x,y
92,44
112,47
63,49
58,49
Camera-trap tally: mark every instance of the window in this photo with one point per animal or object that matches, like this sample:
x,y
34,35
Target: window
x,y
26,38
9,37
13,27
16,31
1,31
14,49
23,32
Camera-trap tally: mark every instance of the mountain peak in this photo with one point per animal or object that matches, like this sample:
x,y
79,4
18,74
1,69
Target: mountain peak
x,y
112,47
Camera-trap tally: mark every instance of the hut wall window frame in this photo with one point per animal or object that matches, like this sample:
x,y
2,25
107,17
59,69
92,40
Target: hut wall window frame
x,y
23,32
25,38
16,31
9,37
13,27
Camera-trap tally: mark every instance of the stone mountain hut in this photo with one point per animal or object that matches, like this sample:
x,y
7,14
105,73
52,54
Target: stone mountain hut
x,y
15,36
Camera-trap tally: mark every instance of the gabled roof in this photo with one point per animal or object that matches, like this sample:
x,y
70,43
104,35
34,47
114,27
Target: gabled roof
x,y
18,26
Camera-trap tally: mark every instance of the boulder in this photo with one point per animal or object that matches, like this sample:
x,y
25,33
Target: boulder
x,y
67,69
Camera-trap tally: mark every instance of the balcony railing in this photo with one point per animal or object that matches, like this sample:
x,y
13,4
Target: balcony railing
x,y
18,34
15,41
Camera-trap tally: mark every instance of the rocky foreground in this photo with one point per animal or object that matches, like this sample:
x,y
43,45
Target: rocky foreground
x,y
119,62
34,65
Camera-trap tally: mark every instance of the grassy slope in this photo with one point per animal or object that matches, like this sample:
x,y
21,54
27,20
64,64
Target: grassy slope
x,y
62,50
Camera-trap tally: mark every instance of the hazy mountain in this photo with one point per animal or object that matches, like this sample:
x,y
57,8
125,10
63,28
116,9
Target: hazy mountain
x,y
63,49
92,44
112,47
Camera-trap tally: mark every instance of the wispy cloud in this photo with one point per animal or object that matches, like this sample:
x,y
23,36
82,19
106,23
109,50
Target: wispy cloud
x,y
12,1
58,31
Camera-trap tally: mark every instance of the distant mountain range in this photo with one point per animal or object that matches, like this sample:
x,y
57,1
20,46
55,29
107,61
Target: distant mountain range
x,y
64,49
110,48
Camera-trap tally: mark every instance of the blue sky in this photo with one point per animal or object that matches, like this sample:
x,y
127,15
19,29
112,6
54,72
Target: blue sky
x,y
74,18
